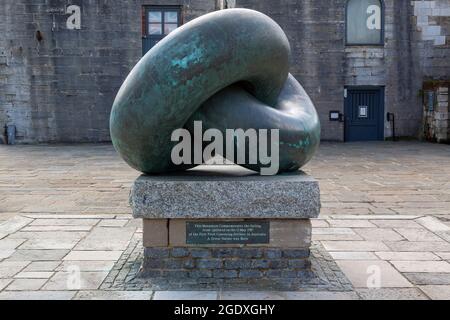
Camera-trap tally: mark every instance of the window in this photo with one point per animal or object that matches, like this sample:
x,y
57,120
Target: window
x,y
157,23
365,22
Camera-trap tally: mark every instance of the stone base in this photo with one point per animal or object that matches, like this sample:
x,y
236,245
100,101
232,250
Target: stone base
x,y
168,254
226,224
225,263
291,233
225,192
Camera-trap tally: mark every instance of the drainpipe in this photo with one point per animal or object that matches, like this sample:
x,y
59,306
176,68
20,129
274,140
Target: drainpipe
x,y
11,134
391,118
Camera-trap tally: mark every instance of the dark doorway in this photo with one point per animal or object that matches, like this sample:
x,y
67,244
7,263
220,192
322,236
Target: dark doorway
x,y
158,22
364,114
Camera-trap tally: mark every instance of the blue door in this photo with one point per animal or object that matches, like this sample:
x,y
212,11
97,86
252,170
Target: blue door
x,y
364,114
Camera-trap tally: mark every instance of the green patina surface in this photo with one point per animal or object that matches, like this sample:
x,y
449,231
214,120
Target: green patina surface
x,y
189,76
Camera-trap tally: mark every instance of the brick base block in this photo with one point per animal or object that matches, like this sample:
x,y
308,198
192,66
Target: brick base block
x,y
225,263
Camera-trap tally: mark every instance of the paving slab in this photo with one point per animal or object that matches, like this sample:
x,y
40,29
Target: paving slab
x,y
14,224
119,223
319,223
51,235
56,228
325,295
422,266
437,292
77,280
49,244
378,234
362,274
9,268
10,243
392,294
113,295
417,235
417,246
443,255
25,284
64,222
36,295
5,253
38,255
89,265
252,295
351,224
34,275
396,224
355,246
333,231
185,295
42,266
353,255
429,278
93,255
375,217
70,216
336,237
407,256
4,283
433,224
102,239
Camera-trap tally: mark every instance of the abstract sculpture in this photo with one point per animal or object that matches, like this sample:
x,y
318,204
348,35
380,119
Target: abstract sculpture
x,y
228,69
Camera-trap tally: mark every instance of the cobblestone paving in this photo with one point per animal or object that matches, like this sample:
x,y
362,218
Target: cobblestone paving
x,y
99,256
326,276
355,178
66,231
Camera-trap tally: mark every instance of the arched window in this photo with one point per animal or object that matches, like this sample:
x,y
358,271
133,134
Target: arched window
x,y
365,22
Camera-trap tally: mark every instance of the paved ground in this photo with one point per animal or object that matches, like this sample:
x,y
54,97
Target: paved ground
x,y
385,221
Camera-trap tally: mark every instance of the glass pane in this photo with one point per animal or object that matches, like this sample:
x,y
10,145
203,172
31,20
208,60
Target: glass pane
x,y
364,22
155,17
363,113
169,27
155,28
171,16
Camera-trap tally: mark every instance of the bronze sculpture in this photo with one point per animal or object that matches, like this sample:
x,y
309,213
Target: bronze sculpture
x,y
228,69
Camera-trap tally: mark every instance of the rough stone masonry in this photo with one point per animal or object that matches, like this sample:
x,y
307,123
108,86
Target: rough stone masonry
x,y
57,84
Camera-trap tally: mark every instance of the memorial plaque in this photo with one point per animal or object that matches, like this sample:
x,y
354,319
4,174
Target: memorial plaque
x,y
246,232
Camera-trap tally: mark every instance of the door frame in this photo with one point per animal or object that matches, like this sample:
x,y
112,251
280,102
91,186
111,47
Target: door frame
x,y
381,115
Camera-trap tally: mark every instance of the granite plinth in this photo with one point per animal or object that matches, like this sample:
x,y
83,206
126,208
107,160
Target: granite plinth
x,y
225,192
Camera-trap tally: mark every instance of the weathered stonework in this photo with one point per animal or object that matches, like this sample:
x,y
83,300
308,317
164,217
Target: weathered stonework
x,y
61,87
437,112
231,193
225,263
428,14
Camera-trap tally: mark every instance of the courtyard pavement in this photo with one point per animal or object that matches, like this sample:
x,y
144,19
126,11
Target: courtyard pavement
x,y
65,223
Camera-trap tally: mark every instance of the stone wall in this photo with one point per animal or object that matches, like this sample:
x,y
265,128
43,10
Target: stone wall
x,y
210,265
316,32
436,116
390,66
58,85
431,48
